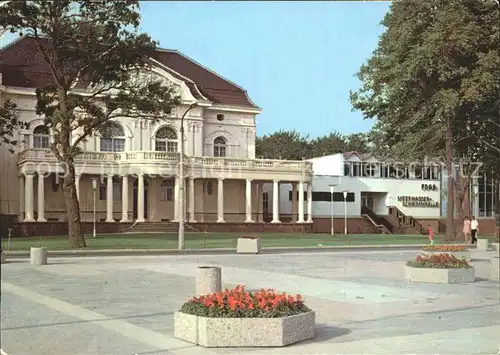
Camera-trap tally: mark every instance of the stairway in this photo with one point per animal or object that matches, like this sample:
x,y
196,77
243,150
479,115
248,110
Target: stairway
x,y
379,227
409,225
380,223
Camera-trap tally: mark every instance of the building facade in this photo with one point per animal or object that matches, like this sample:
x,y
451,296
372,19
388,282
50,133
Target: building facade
x,y
417,191
134,167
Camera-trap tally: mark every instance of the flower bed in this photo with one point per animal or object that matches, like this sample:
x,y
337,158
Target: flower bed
x,y
236,318
248,245
439,268
444,248
458,251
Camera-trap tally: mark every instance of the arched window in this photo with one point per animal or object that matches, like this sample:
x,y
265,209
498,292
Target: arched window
x,y
113,138
41,137
167,190
220,147
166,140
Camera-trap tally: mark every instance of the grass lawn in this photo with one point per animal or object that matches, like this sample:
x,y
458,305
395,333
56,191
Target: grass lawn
x,y
215,240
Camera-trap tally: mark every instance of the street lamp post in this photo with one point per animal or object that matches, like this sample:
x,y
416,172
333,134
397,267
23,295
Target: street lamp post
x,y
181,180
332,187
94,187
475,205
345,212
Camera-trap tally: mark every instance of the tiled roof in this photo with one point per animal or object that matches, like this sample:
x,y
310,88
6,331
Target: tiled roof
x,y
361,156
22,65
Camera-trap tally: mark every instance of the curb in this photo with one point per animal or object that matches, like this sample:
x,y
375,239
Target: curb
x,y
213,251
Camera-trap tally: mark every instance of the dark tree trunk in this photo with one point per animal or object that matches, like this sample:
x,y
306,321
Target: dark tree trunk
x,y
450,225
76,238
496,196
462,202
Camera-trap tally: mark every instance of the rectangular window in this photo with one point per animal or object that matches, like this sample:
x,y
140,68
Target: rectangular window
x,y
112,144
106,145
102,191
118,145
165,146
356,169
219,151
117,191
41,142
347,169
325,196
161,146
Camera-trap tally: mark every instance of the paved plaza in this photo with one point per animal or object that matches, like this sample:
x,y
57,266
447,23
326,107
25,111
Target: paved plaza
x,y
125,305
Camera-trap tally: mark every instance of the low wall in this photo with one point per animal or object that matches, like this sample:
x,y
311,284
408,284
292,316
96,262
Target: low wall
x,y
233,227
37,229
354,225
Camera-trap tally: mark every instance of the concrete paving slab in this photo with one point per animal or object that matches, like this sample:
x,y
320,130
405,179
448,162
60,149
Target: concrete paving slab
x,y
124,305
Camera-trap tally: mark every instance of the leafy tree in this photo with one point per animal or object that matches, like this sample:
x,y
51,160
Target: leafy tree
x,y
9,125
358,142
328,144
99,69
433,74
290,145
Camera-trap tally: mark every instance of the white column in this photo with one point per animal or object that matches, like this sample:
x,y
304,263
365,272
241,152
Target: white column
x,y
109,199
276,202
301,202
191,201
248,201
176,199
77,186
294,202
41,199
140,198
258,192
21,197
124,198
28,197
220,201
309,202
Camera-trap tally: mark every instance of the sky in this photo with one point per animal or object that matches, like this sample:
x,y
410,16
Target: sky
x,y
297,60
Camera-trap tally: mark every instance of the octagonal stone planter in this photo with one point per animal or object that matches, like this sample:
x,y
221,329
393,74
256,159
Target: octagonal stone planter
x,y
248,246
495,268
457,254
244,332
441,276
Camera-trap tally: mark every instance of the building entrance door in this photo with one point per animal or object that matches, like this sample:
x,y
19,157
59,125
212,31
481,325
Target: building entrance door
x,y
367,200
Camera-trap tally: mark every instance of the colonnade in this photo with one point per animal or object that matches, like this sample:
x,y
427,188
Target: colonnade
x,y
27,199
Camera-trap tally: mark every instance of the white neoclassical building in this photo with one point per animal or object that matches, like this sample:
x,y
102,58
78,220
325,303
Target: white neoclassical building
x,y
135,166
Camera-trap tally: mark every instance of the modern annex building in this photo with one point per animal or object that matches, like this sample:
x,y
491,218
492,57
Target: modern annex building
x,y
382,195
135,169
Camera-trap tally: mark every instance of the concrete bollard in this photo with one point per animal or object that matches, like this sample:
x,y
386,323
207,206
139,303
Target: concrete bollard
x,y
38,256
482,244
208,280
494,268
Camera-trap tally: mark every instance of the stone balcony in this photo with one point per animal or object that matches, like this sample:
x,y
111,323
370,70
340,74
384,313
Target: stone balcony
x,y
159,163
